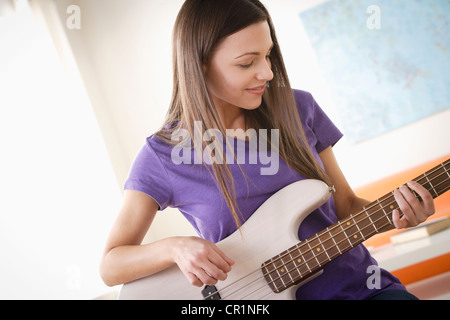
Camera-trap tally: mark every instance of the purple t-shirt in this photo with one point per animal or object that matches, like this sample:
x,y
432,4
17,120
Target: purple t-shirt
x,y
192,190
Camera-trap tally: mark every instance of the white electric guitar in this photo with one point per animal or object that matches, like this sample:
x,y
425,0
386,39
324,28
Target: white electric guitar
x,y
270,262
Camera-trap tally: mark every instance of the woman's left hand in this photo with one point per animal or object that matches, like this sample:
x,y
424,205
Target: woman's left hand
x,y
414,211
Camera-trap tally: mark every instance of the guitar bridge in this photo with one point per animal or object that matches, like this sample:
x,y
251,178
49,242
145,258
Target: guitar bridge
x,y
211,293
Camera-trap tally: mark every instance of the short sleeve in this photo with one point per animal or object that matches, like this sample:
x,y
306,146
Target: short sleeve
x,y
148,175
320,130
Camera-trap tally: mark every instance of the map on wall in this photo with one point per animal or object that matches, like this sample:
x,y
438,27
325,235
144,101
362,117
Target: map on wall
x,y
387,62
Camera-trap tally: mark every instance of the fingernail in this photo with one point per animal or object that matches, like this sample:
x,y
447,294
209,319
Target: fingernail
x,y
405,187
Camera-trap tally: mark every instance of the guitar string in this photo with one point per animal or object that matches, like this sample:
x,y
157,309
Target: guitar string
x,y
265,284
273,281
264,274
315,269
363,212
307,262
297,267
320,243
351,245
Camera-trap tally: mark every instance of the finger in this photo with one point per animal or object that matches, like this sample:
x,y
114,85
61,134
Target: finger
x,y
222,261
213,271
414,204
408,213
427,198
218,264
229,261
398,223
194,280
206,276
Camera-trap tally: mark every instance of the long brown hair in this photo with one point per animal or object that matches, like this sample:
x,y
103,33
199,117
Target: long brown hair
x,y
200,27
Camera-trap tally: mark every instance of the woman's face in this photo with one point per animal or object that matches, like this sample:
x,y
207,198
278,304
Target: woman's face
x,y
240,68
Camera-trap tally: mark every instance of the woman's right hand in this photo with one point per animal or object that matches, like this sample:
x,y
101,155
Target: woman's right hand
x,y
201,261
126,259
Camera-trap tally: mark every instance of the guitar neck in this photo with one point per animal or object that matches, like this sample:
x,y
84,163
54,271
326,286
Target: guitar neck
x,y
310,256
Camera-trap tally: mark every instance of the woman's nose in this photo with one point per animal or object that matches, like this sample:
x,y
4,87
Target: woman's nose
x,y
265,72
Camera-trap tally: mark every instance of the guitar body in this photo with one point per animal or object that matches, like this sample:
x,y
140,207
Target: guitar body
x,y
270,230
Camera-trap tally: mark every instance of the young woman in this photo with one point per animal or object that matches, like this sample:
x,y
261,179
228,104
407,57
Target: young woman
x,y
229,74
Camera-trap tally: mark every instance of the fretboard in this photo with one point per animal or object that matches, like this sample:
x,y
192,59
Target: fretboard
x,y
309,256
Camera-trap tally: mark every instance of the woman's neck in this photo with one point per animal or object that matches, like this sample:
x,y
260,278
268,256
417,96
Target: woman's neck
x,y
232,117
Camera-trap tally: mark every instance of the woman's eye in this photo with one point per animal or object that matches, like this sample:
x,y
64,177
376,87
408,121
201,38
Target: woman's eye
x,y
246,66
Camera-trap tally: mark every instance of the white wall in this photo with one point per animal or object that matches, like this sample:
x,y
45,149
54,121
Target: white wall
x,y
58,191
124,52
124,55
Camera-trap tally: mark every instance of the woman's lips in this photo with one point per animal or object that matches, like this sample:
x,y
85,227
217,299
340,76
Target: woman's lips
x,y
257,90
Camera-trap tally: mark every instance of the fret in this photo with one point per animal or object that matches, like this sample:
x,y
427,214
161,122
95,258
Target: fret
x,y
346,236
325,251
357,226
339,237
273,268
292,268
278,275
349,230
269,279
309,257
279,281
286,277
432,187
378,215
441,185
371,221
364,224
290,256
334,241
393,206
298,258
355,232
439,177
282,275
270,267
447,171
301,269
303,260
319,250
329,245
313,252
382,208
